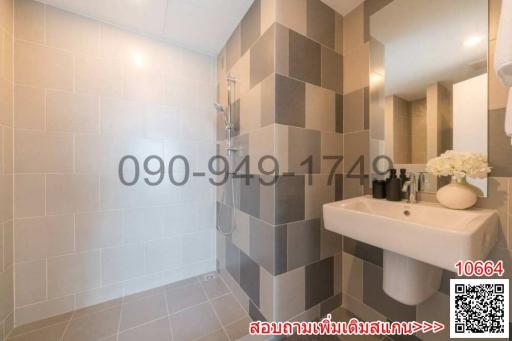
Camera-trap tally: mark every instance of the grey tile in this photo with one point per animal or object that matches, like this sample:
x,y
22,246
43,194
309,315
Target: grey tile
x,y
185,324
233,48
289,199
235,117
319,281
352,186
354,111
356,150
371,7
143,310
332,70
290,108
362,250
339,113
331,243
158,330
238,329
304,143
280,249
282,50
250,195
228,309
375,297
268,245
232,259
250,26
250,278
330,304
218,335
500,149
305,59
303,243
262,57
255,313
320,22
94,326
224,217
338,187
288,294
445,281
48,333
366,108
184,297
268,100
32,326
214,287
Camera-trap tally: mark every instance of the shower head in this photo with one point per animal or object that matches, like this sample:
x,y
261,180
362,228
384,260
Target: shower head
x,y
220,110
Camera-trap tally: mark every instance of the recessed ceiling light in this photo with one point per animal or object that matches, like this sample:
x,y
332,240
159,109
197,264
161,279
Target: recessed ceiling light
x,y
473,41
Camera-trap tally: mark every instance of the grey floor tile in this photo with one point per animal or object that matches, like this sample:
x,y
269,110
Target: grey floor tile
x,y
215,287
185,324
97,308
93,326
158,330
49,333
238,329
40,324
183,297
218,335
228,309
142,311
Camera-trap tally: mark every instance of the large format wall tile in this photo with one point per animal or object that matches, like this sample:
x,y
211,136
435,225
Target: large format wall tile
x,y
268,245
356,67
289,291
250,278
289,199
304,144
305,59
319,281
500,149
290,99
292,14
320,23
332,70
250,26
262,57
355,109
320,108
363,251
303,239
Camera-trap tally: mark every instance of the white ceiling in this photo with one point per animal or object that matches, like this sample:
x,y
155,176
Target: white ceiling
x,y
342,6
200,25
424,43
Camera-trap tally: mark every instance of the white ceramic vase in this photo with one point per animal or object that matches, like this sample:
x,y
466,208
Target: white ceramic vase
x,y
458,195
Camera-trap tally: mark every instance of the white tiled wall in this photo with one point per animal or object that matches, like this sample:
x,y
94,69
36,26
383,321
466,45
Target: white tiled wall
x,y
85,95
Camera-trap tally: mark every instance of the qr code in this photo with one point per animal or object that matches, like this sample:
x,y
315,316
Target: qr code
x,y
479,308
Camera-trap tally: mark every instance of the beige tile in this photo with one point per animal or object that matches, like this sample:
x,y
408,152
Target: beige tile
x,y
356,145
6,20
37,238
70,193
6,58
70,274
29,195
494,17
261,144
241,71
29,20
28,107
158,330
71,112
214,287
185,296
238,329
42,66
338,27
185,327
331,145
356,65
98,230
353,29
42,152
320,108
6,102
30,282
352,278
228,309
121,117
98,76
72,32
50,333
6,197
268,14
282,57
94,326
44,309
292,14
218,335
6,288
8,244
250,110
142,311
122,263
8,150
498,93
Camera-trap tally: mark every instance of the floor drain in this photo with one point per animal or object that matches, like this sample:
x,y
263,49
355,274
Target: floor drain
x,y
209,277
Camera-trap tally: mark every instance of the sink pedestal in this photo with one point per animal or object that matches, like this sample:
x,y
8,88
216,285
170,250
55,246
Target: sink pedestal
x,y
409,281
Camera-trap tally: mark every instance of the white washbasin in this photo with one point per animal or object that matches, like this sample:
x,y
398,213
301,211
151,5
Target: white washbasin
x,y
414,237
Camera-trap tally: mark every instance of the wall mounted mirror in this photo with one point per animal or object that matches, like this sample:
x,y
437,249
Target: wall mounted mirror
x,y
428,82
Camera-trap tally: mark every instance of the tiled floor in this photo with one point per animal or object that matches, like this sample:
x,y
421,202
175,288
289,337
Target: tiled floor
x,y
200,308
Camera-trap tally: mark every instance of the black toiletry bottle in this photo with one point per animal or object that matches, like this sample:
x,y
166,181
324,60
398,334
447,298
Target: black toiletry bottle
x,y
403,179
393,188
379,189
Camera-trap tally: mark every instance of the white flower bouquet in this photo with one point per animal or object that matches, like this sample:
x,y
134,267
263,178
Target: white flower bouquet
x,y
459,165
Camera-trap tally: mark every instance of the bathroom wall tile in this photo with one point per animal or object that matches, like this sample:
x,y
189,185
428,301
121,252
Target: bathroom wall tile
x,y
317,193
330,304
6,102
71,193
355,109
289,299
98,230
6,20
303,243
73,273
268,245
43,152
121,117
6,197
122,263
339,113
305,59
494,18
250,110
500,149
241,235
268,100
6,287
497,198
282,52
232,260
261,146
250,195
360,309
356,68
44,309
262,57
498,93
71,112
251,26
29,21
353,29
435,308
320,108
268,14
8,257
332,70
31,282
29,106
359,143
338,33
371,7
99,76
290,99
352,276
267,293
338,187
144,224
196,247
37,238
242,71
233,48
42,66
374,296
250,278
304,143
332,146
29,196
255,313
292,14
361,250
321,23
8,150
289,199
319,281
331,244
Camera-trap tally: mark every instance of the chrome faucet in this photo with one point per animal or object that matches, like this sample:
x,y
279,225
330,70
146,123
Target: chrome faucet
x,y
411,187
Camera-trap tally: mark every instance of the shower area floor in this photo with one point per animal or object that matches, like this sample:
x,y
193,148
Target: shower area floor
x,y
199,308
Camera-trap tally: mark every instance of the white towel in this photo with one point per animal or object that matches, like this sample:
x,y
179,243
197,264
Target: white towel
x,y
503,57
